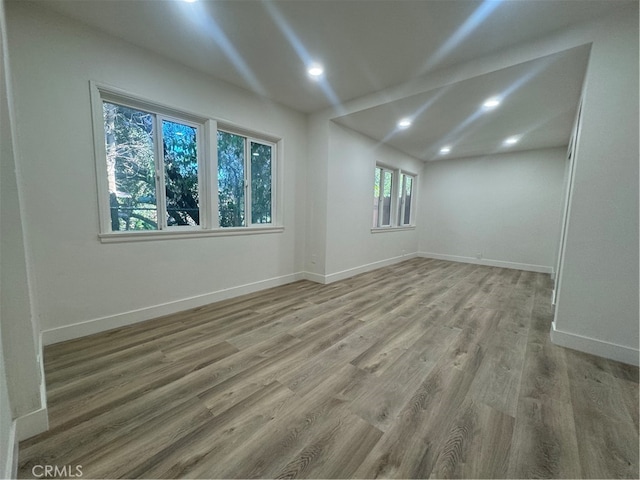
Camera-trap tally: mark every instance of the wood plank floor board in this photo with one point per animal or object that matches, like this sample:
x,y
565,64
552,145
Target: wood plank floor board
x,y
389,347
602,418
142,443
216,437
477,444
336,452
61,376
629,392
381,403
269,450
306,376
594,389
107,373
544,442
408,449
497,380
424,369
85,406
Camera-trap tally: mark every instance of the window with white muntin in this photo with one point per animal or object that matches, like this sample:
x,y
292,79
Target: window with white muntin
x,y
163,171
393,194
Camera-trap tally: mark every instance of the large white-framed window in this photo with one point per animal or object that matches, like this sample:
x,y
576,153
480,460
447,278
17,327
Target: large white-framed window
x,y
393,199
162,171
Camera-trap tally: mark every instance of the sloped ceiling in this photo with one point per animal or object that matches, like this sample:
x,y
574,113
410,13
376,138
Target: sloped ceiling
x,y
538,105
366,46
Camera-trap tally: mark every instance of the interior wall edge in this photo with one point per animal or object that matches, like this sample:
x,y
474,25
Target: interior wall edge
x,y
314,277
600,348
32,424
9,470
489,262
97,325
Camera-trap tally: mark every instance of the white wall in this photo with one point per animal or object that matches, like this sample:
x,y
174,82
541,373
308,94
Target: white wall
x,y
316,192
505,208
597,310
351,167
7,433
21,378
597,307
80,279
327,218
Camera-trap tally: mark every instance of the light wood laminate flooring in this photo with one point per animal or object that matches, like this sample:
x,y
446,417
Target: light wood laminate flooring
x,y
424,369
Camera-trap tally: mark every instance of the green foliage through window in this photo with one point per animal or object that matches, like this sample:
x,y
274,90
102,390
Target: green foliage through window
x,y
159,171
180,173
244,171
230,179
260,183
132,171
129,137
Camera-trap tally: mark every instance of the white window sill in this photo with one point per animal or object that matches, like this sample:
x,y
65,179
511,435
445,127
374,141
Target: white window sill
x,y
145,236
393,229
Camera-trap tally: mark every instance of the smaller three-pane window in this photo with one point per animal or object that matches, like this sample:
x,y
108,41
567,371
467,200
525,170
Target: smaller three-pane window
x,y
392,198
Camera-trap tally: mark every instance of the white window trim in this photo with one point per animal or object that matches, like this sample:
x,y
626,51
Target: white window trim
x,y
207,174
248,140
403,199
395,202
383,170
392,229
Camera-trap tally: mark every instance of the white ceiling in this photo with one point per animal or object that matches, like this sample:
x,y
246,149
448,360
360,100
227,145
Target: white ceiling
x,y
539,101
366,46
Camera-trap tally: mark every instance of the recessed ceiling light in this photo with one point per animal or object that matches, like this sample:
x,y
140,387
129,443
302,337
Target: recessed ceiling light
x,y
511,140
315,71
190,1
491,103
445,150
404,123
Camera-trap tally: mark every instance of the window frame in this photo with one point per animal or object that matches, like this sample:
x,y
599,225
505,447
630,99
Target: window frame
x,y
398,199
248,140
383,171
207,152
402,199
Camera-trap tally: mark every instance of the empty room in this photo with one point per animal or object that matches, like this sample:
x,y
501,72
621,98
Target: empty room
x,y
319,239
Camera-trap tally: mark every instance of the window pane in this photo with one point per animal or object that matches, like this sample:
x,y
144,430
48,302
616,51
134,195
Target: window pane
x,y
376,197
230,179
408,189
400,212
386,199
130,168
180,173
260,183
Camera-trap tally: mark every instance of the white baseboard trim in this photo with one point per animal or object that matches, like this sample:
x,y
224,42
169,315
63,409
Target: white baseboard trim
x,y
351,272
43,383
596,347
314,277
488,262
97,325
32,424
10,468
